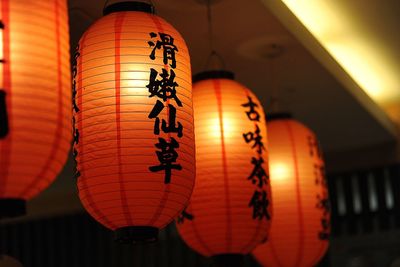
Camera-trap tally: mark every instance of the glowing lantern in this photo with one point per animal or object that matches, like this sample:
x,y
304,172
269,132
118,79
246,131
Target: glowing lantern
x,y
301,226
35,93
133,117
229,212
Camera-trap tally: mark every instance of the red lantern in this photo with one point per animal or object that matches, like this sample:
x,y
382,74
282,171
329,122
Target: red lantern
x,y
35,93
229,212
134,136
301,226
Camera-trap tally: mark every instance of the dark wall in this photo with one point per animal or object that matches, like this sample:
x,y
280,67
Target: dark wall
x,y
79,241
365,209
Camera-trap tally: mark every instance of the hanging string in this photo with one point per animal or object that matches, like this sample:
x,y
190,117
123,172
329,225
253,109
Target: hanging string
x,y
274,52
210,26
214,60
274,87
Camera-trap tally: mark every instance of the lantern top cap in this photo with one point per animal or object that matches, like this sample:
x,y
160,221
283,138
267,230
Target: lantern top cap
x,y
213,74
128,6
279,116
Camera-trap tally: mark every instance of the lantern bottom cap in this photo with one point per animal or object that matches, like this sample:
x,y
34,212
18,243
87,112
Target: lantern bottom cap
x,y
12,207
136,234
228,260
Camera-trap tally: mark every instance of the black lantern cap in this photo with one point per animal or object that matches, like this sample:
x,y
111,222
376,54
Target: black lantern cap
x,y
12,207
213,74
279,116
228,260
128,6
136,234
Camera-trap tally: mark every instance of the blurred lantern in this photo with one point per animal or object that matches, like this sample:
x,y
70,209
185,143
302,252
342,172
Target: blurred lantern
x,y
133,118
230,209
7,261
35,93
301,226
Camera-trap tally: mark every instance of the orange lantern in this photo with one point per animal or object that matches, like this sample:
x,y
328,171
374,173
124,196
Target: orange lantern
x,y
229,212
35,93
301,226
133,117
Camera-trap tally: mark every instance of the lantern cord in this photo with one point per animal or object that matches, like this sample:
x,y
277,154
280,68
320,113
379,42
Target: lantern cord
x,y
210,26
214,60
274,51
274,87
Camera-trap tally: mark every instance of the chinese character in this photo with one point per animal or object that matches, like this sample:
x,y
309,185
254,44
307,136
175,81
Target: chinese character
x,y
75,155
184,215
169,127
4,127
260,203
1,28
164,88
74,73
166,156
256,137
252,114
76,136
258,175
323,203
319,173
169,49
315,148
324,234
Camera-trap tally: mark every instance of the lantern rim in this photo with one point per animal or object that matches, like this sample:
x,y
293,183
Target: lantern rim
x,y
279,116
136,234
213,74
128,6
228,260
12,207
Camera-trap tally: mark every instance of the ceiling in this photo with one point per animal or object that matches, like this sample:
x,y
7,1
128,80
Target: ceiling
x,y
353,39
243,34
244,31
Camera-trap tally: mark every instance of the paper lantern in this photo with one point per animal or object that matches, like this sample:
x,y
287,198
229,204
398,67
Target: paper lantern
x,y
133,117
7,261
230,209
300,229
35,99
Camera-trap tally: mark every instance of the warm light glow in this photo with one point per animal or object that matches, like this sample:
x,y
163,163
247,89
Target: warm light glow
x,y
215,127
279,172
133,122
299,235
353,47
230,209
36,88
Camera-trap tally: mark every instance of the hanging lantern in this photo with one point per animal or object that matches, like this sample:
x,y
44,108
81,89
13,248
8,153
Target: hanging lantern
x,y
300,230
7,261
133,117
35,93
230,209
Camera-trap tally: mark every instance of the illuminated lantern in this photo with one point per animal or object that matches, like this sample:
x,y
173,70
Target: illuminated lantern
x,y
230,209
133,117
35,99
301,225
7,261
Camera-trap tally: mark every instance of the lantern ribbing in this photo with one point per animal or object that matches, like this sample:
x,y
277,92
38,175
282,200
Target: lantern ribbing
x,y
134,134
229,212
35,99
300,231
